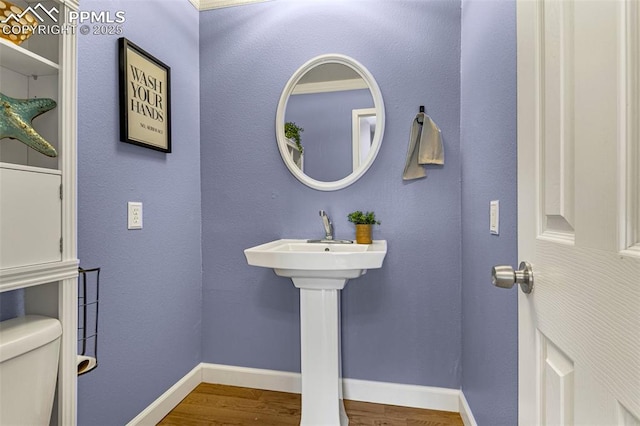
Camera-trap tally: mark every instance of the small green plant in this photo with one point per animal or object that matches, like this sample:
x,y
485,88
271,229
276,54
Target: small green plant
x,y
359,218
292,131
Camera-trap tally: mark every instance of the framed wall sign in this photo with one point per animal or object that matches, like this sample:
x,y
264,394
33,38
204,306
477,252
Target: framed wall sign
x,y
145,98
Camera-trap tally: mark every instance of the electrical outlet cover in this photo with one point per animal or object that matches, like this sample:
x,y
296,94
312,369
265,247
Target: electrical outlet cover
x,y
134,215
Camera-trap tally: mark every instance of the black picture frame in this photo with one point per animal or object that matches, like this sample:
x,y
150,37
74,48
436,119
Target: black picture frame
x,y
145,98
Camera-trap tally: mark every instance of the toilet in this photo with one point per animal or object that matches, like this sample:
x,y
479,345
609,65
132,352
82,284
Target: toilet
x,y
29,348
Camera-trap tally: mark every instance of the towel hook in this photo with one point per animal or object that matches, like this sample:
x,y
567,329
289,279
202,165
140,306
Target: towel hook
x,y
422,111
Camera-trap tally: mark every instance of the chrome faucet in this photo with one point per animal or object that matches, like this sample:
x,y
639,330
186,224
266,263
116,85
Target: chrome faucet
x,y
328,228
328,232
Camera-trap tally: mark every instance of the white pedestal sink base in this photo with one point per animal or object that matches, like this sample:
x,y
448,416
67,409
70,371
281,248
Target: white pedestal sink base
x,y
320,271
320,351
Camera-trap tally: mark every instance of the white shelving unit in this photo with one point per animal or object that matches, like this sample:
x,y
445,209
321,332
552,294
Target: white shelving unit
x,y
38,250
25,62
295,154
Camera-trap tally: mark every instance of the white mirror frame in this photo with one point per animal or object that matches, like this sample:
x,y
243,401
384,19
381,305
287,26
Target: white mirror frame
x,y
280,120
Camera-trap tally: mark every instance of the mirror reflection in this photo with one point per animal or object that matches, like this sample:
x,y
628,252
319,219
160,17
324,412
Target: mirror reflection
x,y
333,108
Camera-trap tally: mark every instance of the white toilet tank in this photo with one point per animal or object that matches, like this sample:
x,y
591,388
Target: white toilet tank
x,y
29,348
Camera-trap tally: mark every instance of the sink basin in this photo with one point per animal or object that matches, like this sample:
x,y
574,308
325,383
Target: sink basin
x,y
302,259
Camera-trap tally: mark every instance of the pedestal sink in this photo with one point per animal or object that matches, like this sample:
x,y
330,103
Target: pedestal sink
x,y
320,271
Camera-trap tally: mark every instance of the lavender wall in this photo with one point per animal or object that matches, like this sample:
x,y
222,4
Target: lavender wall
x,y
411,321
488,146
11,304
151,278
401,323
327,136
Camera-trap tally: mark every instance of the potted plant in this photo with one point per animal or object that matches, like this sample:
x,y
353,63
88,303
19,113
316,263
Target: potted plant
x,y
363,222
292,131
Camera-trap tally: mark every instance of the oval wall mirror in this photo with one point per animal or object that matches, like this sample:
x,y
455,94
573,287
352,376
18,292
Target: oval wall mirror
x,y
337,105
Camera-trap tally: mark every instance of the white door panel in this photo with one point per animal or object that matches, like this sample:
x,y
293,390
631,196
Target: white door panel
x,y
578,211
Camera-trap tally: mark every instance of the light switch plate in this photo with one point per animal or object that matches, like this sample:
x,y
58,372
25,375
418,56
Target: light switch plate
x,y
134,215
494,217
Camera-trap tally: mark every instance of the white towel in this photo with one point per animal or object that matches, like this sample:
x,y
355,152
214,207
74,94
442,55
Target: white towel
x,y
425,147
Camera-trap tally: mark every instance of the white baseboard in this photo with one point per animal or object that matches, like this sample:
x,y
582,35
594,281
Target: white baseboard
x,y
358,390
465,412
403,395
168,400
257,378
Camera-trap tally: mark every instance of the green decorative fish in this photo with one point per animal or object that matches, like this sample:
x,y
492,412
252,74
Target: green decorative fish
x,y
15,122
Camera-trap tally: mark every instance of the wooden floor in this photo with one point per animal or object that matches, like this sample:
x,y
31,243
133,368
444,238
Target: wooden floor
x,y
229,405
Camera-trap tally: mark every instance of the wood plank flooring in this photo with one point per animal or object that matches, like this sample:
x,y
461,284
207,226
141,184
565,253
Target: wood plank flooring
x,y
211,404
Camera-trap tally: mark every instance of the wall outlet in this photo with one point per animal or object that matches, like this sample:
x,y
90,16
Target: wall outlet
x,y
494,217
134,215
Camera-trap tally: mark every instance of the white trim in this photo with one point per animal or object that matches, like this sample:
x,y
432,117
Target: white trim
x,y
414,396
218,4
281,381
465,412
30,169
68,367
629,131
169,400
68,287
28,276
356,142
329,86
358,390
633,251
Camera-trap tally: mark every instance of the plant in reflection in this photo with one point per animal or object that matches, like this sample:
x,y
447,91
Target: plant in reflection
x,y
292,131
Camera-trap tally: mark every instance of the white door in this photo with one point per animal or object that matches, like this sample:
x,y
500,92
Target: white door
x,y
579,211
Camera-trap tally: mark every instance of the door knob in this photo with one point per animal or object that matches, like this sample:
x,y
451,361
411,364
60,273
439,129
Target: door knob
x,y
505,277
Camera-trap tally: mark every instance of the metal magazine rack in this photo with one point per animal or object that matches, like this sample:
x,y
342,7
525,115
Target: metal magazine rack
x,y
88,308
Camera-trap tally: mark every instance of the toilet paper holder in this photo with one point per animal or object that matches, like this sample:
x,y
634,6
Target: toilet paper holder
x,y
88,309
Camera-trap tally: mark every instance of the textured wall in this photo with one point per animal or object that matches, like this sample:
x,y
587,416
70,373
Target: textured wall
x,y
151,278
488,146
11,304
401,323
